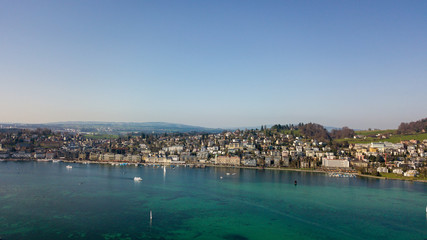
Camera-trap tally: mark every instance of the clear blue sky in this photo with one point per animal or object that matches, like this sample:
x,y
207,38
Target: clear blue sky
x,y
361,64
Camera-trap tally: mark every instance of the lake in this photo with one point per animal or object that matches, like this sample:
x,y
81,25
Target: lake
x,y
45,200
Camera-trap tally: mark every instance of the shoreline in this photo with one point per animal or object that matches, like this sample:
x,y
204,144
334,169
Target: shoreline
x,y
388,178
213,165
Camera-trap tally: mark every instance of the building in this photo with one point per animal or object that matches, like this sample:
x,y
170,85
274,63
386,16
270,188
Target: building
x,y
285,161
107,157
359,163
50,155
133,158
268,161
39,155
335,163
235,145
174,149
118,157
158,159
94,156
188,158
377,146
202,156
21,154
82,156
411,173
226,160
249,162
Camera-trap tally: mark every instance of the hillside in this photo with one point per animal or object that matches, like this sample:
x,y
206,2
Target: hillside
x,y
383,136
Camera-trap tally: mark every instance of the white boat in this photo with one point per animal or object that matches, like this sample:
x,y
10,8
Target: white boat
x,y
69,167
137,179
228,174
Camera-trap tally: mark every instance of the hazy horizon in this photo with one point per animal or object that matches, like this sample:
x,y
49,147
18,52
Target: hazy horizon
x,y
218,64
212,127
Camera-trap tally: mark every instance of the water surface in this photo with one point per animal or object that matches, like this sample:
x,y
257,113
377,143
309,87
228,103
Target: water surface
x,y
44,200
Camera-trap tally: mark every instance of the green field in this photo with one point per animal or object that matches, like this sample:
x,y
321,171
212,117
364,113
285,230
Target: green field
x,y
398,176
395,138
398,138
375,132
290,132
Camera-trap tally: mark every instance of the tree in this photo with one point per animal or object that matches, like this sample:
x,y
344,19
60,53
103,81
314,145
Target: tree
x,y
314,131
372,158
344,132
413,127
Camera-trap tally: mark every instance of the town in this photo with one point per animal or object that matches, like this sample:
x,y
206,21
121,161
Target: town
x,y
303,147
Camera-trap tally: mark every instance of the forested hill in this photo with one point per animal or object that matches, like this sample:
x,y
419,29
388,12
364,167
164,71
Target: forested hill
x,y
413,127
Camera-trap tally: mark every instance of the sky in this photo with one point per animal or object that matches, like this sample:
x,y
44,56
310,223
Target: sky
x,y
361,64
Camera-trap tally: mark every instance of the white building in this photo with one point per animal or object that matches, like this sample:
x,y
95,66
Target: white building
x,y
335,163
411,173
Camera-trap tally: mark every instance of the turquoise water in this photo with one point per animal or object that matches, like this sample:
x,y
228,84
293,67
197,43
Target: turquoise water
x,y
43,200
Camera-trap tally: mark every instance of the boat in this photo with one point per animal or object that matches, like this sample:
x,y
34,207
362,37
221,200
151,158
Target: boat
x,y
228,174
137,179
151,215
69,166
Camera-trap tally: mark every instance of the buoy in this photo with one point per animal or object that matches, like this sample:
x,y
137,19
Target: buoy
x,y
296,182
151,215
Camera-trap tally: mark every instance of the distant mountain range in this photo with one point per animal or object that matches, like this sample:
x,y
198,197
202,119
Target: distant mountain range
x,y
115,127
124,127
